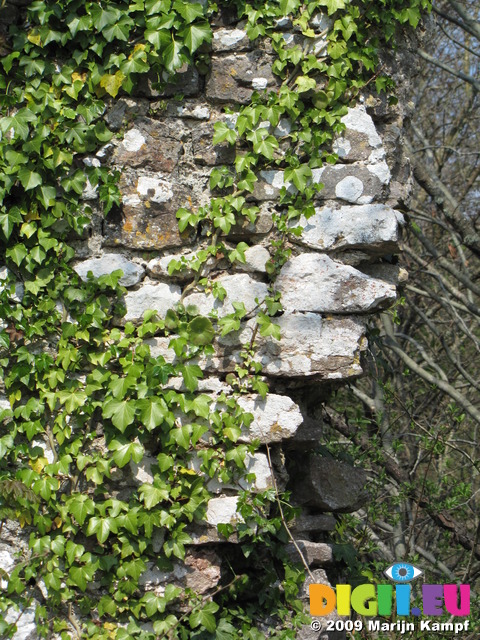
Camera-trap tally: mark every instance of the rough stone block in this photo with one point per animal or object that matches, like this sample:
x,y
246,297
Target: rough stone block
x,y
147,218
315,282
158,296
109,262
156,145
158,267
245,230
239,287
230,40
353,183
330,485
275,418
314,348
256,258
222,511
186,82
374,228
313,523
205,152
234,78
314,553
201,571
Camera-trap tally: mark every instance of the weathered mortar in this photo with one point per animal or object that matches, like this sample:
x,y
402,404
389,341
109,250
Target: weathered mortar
x,y
335,279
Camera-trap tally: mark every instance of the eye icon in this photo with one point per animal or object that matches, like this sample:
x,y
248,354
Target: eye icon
x,y
402,572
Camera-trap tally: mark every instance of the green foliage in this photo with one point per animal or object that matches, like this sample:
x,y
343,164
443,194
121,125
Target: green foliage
x,y
88,398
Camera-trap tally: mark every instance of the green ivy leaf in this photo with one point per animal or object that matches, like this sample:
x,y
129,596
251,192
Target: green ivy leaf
x,y
151,495
172,55
191,373
200,331
29,179
112,83
196,34
122,413
153,412
126,451
80,506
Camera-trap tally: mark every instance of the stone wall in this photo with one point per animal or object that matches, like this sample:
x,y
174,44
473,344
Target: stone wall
x,y
340,273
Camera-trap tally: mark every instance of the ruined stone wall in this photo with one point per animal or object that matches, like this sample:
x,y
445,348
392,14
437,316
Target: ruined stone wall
x,y
339,275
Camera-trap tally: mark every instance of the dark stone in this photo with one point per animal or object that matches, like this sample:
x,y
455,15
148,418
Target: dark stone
x,y
162,148
313,523
315,554
234,78
186,82
330,485
205,152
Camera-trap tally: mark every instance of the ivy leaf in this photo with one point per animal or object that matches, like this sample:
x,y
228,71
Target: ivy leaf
x,y
122,413
298,175
191,373
195,35
17,253
223,132
102,527
126,451
205,617
151,495
304,83
153,412
81,576
8,221
102,133
112,84
200,331
188,10
332,5
156,6
80,506
172,55
225,631
160,38
29,179
289,6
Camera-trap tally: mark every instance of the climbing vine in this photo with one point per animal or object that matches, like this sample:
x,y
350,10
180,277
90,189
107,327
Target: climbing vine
x,y
86,396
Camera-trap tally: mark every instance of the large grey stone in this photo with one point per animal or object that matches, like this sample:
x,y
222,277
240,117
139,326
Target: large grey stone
x,y
205,152
147,218
234,78
319,632
315,282
200,571
222,511
109,262
185,82
256,258
330,485
353,183
26,625
240,287
274,418
156,145
313,523
313,347
158,296
374,228
230,40
256,464
158,267
314,553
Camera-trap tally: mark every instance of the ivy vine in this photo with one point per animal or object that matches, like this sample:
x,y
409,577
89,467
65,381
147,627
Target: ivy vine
x,y
90,393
